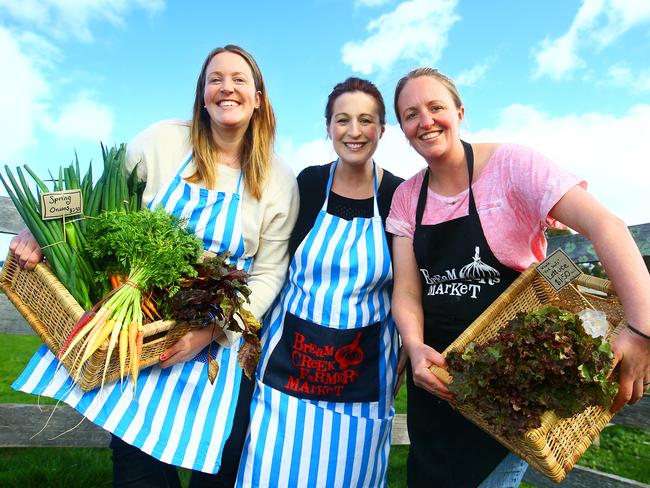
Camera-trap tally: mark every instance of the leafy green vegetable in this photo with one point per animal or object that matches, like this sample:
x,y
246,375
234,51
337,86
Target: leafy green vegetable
x,y
218,295
155,250
542,360
152,247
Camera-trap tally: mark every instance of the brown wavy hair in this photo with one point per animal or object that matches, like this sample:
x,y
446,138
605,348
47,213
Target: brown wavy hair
x,y
353,84
258,139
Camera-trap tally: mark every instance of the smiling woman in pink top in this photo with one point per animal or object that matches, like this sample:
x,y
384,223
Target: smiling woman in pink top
x,y
487,203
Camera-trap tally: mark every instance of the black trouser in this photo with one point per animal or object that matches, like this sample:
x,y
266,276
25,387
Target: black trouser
x,y
447,450
133,468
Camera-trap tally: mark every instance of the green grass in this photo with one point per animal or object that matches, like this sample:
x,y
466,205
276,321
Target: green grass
x,y
15,353
623,451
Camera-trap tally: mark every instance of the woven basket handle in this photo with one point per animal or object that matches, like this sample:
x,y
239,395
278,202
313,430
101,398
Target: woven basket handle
x,y
441,374
595,283
153,328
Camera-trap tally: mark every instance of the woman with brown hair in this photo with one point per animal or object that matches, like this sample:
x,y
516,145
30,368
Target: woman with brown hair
x,y
322,409
219,172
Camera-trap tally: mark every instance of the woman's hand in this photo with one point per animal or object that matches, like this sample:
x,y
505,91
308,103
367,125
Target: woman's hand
x,y
632,354
26,249
622,260
189,346
422,357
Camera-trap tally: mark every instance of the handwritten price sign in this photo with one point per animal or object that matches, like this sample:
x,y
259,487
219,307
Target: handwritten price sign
x,y
558,269
58,204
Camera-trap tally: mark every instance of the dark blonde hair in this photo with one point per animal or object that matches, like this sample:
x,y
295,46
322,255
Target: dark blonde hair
x,y
353,84
434,73
258,140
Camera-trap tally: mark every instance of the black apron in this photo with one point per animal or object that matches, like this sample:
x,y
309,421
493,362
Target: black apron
x,y
460,279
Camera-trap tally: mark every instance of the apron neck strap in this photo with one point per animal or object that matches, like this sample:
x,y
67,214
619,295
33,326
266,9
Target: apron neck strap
x,y
422,199
239,180
375,187
182,167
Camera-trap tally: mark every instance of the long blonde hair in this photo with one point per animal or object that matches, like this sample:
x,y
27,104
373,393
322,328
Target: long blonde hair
x,y
258,139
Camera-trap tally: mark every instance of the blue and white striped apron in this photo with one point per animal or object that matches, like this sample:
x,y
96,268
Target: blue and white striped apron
x,y
333,311
177,416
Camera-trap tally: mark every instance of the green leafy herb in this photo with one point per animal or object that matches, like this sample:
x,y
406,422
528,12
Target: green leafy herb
x,y
542,360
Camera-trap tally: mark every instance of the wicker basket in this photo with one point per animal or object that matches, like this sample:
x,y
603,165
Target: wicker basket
x,y
556,446
52,312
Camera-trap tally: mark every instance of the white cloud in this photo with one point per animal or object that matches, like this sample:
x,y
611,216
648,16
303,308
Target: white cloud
x,y
599,23
32,58
62,19
608,151
395,154
22,96
623,76
317,151
416,30
555,58
84,118
473,75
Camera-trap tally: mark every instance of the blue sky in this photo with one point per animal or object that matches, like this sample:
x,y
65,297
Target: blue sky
x,y
570,78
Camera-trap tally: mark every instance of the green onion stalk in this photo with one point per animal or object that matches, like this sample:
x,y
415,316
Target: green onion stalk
x,y
68,264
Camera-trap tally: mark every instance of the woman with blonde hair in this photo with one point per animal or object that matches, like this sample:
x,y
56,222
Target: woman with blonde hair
x,y
219,172
491,202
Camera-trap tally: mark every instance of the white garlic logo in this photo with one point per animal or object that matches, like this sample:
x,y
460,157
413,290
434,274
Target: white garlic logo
x,y
477,270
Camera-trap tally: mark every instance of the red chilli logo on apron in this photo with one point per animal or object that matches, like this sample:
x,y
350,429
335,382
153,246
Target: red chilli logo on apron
x,y
324,370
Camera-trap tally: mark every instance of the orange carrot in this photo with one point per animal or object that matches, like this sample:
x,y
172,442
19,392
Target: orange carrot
x,y
145,309
135,365
133,334
151,305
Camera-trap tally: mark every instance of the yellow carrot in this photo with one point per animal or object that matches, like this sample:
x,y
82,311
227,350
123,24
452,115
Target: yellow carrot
x,y
123,348
97,338
101,316
111,346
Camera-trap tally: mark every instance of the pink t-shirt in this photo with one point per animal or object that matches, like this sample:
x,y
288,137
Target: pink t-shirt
x,y
514,193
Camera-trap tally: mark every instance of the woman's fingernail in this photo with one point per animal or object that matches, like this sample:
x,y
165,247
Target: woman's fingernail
x,y
163,356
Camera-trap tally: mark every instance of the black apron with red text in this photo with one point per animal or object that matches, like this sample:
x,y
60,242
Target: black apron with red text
x,y
460,279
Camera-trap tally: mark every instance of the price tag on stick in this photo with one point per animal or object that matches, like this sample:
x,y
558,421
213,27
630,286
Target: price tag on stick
x,y
57,204
558,269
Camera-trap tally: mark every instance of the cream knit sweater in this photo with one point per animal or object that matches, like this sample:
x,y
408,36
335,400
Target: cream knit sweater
x,y
159,151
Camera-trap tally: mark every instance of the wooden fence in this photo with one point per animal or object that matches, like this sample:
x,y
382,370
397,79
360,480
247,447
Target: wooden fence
x,y
18,423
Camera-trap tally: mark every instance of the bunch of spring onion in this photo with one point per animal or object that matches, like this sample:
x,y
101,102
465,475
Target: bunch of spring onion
x,y
152,248
64,245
